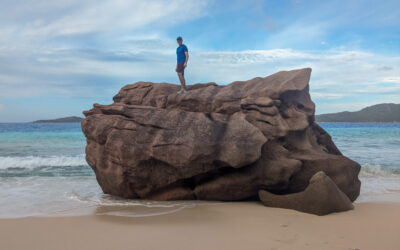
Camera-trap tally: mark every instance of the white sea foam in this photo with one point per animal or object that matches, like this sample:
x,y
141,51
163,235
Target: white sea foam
x,y
35,195
380,189
379,184
31,162
370,170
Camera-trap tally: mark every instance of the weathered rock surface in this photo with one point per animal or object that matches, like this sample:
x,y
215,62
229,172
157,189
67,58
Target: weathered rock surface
x,y
321,197
213,142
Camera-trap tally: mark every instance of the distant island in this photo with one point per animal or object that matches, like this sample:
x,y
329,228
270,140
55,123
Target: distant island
x,y
385,112
61,120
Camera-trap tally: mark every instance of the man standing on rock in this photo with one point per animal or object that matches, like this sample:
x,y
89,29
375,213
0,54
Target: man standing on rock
x,y
182,55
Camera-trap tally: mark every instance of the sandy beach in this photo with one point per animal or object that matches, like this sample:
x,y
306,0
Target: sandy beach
x,y
244,225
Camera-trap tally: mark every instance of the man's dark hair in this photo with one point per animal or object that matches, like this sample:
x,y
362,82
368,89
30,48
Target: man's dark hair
x,y
179,38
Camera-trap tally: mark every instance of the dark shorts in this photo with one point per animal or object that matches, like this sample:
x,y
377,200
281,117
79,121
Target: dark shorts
x,y
180,68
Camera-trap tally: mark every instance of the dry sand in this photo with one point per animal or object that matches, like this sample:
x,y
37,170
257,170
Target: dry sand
x,y
245,225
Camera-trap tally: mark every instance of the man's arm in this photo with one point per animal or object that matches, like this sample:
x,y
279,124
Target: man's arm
x,y
187,58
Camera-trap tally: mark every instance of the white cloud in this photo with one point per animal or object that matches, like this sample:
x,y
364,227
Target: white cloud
x,y
336,73
327,96
27,26
394,79
90,48
379,90
120,14
44,45
330,69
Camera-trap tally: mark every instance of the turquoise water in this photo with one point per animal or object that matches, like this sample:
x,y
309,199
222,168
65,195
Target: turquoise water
x,y
43,169
29,149
376,146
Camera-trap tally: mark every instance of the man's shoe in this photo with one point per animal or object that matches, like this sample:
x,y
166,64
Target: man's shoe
x,y
180,92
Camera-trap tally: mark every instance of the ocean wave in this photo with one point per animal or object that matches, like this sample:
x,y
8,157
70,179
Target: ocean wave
x,y
31,162
34,162
369,170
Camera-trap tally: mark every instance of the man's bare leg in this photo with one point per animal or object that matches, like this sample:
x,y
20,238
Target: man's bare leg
x,y
182,80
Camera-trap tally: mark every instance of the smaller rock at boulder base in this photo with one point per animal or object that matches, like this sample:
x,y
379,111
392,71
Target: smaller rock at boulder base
x,y
321,197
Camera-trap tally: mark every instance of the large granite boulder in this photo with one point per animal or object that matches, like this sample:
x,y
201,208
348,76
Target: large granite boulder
x,y
321,197
213,142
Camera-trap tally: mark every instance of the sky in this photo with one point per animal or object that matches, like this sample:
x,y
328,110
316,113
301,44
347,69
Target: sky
x,y
57,57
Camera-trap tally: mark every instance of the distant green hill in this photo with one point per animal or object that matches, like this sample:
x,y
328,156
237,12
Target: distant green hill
x,y
60,120
385,112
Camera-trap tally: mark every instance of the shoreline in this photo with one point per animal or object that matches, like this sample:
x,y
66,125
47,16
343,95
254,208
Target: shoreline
x,y
239,225
60,196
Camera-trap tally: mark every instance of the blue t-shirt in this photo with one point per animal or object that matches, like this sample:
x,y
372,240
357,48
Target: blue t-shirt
x,y
180,53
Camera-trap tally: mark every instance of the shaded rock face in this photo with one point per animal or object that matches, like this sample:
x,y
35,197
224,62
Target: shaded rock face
x,y
213,142
321,197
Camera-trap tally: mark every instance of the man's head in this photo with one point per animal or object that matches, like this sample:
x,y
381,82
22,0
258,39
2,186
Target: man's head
x,y
179,40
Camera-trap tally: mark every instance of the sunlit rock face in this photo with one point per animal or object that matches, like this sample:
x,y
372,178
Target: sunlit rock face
x,y
213,142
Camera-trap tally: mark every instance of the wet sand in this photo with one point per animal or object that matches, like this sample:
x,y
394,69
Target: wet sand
x,y
244,225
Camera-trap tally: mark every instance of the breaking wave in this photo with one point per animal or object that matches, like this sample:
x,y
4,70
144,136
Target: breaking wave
x,y
369,170
31,162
